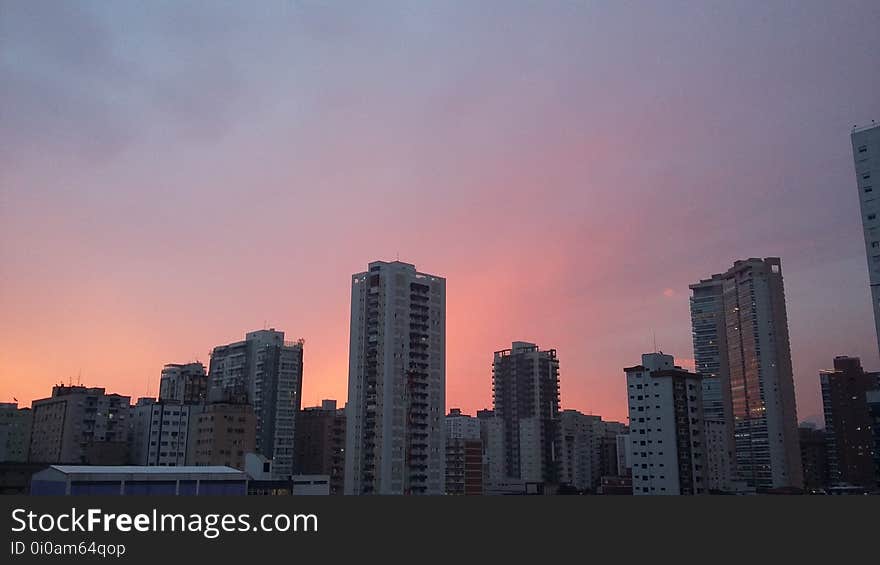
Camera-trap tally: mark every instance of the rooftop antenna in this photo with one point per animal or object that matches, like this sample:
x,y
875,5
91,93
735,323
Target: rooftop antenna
x,y
654,337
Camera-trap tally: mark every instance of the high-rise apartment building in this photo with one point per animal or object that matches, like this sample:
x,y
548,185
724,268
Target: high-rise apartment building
x,y
741,344
159,433
15,432
848,427
710,346
395,440
186,383
525,392
80,425
268,371
580,454
320,443
666,428
464,454
711,362
866,154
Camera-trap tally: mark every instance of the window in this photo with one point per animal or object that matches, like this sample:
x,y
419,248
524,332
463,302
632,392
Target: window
x,y
875,244
863,148
869,189
872,216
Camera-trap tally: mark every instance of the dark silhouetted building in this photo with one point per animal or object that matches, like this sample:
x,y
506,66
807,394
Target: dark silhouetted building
x,y
850,442
814,458
15,432
320,443
221,433
15,478
609,458
873,397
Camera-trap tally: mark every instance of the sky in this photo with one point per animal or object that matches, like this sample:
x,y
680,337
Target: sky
x,y
175,174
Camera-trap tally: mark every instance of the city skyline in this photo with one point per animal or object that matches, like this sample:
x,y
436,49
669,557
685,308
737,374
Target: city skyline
x,y
567,200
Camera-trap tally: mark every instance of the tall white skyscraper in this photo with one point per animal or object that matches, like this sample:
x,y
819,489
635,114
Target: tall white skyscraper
x,y
866,153
395,429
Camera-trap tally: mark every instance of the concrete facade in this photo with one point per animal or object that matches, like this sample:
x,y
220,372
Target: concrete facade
x,y
267,371
525,394
395,439
666,428
80,425
866,157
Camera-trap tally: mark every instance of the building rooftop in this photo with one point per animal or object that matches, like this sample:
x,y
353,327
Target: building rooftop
x,y
143,470
872,125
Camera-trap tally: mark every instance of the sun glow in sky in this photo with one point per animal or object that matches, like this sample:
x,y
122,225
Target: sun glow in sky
x,y
173,175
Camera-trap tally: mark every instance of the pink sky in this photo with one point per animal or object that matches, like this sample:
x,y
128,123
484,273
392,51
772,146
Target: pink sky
x,y
170,180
